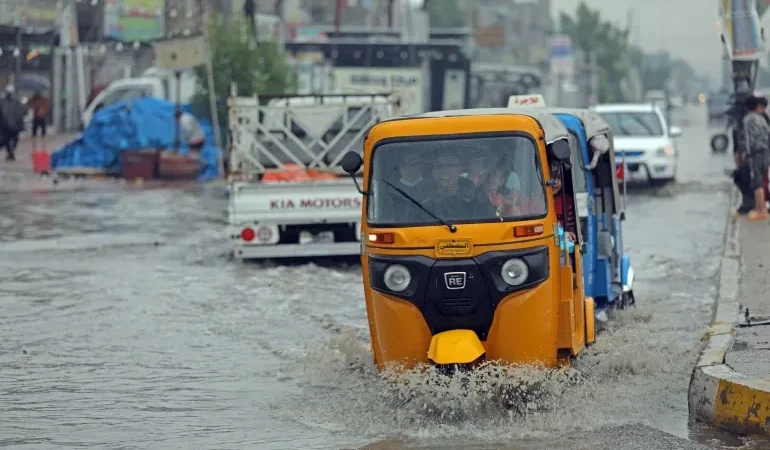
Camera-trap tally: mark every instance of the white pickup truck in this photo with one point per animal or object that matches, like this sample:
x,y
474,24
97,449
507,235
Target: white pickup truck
x,y
288,196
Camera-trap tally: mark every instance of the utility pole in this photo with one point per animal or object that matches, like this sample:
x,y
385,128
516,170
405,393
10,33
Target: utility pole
x,y
249,11
20,20
337,16
281,24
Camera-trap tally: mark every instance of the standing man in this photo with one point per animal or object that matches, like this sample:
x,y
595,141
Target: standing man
x,y
12,113
757,133
41,108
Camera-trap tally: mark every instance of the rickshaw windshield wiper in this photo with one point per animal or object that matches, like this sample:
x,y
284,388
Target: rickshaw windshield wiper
x,y
451,227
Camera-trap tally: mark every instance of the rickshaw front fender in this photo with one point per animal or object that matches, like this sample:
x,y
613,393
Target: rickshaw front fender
x,y
455,347
627,273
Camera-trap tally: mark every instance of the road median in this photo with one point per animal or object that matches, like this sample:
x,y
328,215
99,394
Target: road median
x,y
730,389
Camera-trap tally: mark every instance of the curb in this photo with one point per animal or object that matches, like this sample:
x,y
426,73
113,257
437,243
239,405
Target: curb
x,y
718,395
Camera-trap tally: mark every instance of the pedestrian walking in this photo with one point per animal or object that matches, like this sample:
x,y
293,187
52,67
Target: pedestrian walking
x,y
41,108
757,132
12,113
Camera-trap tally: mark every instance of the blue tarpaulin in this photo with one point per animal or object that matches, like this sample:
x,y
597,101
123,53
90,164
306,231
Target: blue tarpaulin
x,y
128,126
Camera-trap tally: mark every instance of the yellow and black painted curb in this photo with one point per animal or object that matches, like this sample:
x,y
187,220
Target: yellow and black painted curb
x,y
718,395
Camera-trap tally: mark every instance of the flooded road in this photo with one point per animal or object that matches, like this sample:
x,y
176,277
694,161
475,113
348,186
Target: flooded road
x,y
123,325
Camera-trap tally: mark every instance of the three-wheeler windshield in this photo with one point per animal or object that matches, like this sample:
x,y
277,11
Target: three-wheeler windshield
x,y
453,180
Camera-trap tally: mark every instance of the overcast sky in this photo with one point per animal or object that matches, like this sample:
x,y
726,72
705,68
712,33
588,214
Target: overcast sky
x,y
685,28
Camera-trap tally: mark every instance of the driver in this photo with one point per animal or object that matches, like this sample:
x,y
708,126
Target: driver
x,y
454,197
409,174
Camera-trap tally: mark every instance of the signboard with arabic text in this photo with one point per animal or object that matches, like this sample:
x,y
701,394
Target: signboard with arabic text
x,y
134,20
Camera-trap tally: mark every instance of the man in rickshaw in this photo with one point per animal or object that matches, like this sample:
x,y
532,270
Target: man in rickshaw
x,y
454,196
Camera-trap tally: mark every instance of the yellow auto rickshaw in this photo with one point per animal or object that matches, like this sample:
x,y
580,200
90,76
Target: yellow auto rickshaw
x,y
463,257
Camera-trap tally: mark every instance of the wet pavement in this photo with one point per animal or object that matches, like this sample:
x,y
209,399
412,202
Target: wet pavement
x,y
124,325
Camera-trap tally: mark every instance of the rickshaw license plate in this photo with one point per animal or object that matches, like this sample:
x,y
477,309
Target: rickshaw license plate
x,y
452,248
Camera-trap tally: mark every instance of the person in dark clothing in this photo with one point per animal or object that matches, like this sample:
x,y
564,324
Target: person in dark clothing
x,y
757,132
407,178
41,108
410,178
12,113
454,197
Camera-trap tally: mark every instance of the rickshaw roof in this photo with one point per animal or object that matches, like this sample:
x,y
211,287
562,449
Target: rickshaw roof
x,y
593,123
552,127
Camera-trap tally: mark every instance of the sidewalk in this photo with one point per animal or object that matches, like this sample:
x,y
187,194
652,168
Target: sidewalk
x,y
730,385
18,175
750,354
23,163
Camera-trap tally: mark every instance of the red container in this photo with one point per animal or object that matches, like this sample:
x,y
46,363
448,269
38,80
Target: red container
x,y
142,164
41,161
178,167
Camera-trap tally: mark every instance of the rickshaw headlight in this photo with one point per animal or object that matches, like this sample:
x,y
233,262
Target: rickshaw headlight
x,y
515,272
397,278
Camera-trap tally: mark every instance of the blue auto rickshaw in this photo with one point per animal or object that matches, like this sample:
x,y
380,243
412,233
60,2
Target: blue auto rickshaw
x,y
607,269
599,205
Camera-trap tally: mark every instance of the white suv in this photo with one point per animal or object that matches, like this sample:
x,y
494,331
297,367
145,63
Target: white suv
x,y
643,136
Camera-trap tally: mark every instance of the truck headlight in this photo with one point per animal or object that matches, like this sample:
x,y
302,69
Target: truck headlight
x,y
397,278
515,272
665,151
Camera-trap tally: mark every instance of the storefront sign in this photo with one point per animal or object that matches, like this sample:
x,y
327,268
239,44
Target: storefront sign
x,y
406,82
134,20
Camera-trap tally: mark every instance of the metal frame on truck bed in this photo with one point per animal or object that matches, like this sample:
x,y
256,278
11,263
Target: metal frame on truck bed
x,y
286,197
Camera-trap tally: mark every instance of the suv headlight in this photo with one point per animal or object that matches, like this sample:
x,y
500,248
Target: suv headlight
x,y
665,151
515,272
397,278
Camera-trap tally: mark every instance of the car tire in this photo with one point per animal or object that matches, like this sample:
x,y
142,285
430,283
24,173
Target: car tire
x,y
720,143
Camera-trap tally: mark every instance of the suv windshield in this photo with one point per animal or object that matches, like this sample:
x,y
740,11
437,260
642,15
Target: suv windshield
x,y
479,179
634,123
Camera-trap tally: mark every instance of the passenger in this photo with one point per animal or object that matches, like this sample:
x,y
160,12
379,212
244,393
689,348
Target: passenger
x,y
491,184
559,199
455,197
509,202
476,168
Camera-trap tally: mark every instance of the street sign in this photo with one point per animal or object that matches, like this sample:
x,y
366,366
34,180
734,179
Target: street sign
x,y
180,53
561,55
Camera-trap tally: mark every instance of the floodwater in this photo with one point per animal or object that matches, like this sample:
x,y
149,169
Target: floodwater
x,y
124,325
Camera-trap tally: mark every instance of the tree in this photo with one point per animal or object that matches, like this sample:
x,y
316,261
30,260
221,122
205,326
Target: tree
x,y
593,35
444,13
256,68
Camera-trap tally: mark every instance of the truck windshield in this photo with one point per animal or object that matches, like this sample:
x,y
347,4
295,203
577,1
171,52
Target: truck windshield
x,y
629,123
483,179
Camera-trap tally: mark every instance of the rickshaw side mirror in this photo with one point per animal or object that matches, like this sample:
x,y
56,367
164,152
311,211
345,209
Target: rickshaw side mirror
x,y
559,150
351,163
